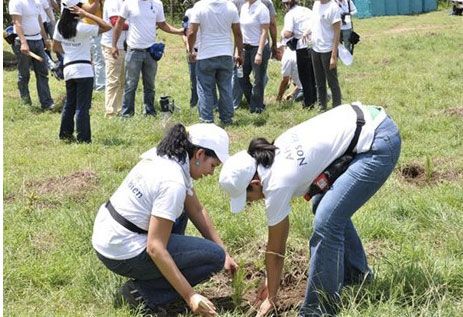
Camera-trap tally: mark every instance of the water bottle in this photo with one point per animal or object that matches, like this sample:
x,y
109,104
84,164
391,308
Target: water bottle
x,y
239,72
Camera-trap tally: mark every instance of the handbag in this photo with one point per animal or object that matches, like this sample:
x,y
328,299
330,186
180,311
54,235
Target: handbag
x,y
292,43
156,50
354,37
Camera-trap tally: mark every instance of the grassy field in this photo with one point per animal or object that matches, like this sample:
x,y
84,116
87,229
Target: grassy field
x,y
412,228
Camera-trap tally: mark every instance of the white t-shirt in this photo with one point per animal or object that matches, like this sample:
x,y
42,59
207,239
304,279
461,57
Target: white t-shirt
x,y
298,20
112,8
77,48
154,187
215,19
189,13
251,18
345,9
143,16
324,16
267,3
29,10
289,66
305,150
44,5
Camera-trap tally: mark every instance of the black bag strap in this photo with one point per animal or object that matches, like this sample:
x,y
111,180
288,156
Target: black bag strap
x,y
77,62
360,123
351,22
122,221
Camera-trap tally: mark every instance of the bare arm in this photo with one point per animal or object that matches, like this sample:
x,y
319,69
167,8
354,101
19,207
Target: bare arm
x,y
166,27
200,218
283,85
262,40
116,34
103,25
17,22
191,40
334,52
273,34
238,43
57,47
158,236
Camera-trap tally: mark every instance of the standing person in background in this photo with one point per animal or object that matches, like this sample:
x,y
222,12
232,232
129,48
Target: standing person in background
x,y
325,39
214,60
255,22
144,17
98,61
72,39
236,81
28,25
298,22
48,19
348,9
191,63
140,232
114,67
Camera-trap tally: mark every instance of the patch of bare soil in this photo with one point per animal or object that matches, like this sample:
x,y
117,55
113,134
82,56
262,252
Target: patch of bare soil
x,y
73,186
457,111
416,174
417,28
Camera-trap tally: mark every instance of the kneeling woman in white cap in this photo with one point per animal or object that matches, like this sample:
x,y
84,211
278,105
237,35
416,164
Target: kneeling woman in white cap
x,y
287,168
139,232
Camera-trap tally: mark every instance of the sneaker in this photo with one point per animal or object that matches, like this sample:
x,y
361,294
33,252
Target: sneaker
x,y
50,107
26,101
130,295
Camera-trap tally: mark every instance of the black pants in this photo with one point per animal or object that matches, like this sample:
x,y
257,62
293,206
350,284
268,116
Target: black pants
x,y
323,73
306,76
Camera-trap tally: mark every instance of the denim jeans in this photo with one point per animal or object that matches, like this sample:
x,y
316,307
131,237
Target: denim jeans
x,y
254,94
40,70
323,73
345,36
194,93
337,254
98,63
236,88
78,101
212,72
137,61
197,259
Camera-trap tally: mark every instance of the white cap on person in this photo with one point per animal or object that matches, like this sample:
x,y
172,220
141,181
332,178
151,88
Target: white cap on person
x,y
70,3
235,176
210,136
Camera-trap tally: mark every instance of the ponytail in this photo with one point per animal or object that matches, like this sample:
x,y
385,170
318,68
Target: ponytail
x,y
67,24
262,151
176,144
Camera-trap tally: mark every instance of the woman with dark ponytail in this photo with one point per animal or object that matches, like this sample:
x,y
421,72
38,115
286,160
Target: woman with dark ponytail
x,y
72,38
340,158
140,231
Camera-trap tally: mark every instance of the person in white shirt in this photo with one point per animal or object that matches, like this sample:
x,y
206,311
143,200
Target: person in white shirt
x,y
28,25
348,9
368,142
114,67
289,74
255,22
217,20
72,38
143,16
325,40
297,22
140,232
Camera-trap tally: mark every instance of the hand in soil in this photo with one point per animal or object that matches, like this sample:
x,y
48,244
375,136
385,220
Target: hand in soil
x,y
230,265
202,306
262,293
266,307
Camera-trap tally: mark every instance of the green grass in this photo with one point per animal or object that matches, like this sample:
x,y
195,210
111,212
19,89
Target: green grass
x,y
411,65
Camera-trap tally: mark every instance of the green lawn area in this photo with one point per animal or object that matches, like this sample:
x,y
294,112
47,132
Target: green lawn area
x,y
412,229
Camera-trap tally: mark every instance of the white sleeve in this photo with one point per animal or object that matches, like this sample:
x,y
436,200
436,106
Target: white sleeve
x,y
264,15
194,15
285,67
124,11
160,17
335,14
236,15
278,205
288,23
14,7
56,35
353,8
170,201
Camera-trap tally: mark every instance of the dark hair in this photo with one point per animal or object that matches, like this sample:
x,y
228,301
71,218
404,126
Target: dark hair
x,y
177,145
67,24
262,151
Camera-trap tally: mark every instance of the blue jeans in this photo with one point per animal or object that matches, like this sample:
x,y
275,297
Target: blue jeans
x,y
255,93
236,88
40,70
337,254
198,259
212,72
98,63
78,102
137,61
194,93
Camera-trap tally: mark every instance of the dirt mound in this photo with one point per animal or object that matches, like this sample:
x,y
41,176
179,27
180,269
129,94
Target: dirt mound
x,y
417,174
457,111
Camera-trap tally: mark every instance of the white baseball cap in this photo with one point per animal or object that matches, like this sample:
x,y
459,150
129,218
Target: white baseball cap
x,y
235,177
70,3
210,136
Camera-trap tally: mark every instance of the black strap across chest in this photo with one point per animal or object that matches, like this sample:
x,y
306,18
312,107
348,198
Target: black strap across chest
x,y
122,221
